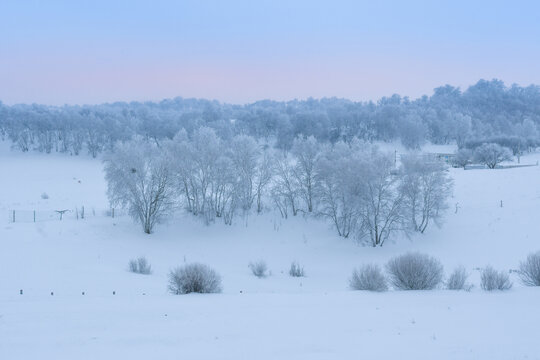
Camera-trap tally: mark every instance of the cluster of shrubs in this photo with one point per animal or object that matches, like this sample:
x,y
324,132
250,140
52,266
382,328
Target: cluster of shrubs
x,y
416,271
200,278
260,269
411,271
140,266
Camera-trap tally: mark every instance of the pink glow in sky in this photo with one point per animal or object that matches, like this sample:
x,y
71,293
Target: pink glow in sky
x,y
61,52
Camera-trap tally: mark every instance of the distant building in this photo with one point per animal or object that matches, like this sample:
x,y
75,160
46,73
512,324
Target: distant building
x,y
447,158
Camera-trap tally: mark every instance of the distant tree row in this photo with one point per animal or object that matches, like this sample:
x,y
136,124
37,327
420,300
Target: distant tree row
x,y
361,191
488,110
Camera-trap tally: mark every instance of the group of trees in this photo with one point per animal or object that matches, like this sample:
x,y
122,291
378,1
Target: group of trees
x,y
486,112
359,189
488,154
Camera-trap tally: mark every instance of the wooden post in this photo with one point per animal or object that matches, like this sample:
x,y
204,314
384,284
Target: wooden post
x,y
112,214
34,215
13,215
82,213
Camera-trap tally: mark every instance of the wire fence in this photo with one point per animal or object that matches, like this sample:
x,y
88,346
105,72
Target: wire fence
x,y
33,216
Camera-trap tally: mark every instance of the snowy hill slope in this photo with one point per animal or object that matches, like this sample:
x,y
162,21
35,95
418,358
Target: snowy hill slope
x,y
315,317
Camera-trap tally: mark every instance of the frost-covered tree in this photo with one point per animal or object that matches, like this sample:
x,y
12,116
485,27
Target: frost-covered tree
x,y
339,184
425,187
412,131
491,155
381,202
245,153
139,179
306,152
263,176
463,157
285,188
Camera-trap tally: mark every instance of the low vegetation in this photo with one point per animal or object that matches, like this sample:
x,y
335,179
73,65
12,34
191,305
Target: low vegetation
x,y
194,278
458,280
296,270
140,266
259,268
414,271
368,277
492,279
529,270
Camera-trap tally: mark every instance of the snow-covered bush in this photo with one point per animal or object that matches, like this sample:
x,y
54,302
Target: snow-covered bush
x,y
140,266
197,278
492,279
529,270
414,271
458,280
259,268
368,277
296,270
44,196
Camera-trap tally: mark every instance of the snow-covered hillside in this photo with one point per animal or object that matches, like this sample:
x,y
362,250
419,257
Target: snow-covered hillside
x,y
279,317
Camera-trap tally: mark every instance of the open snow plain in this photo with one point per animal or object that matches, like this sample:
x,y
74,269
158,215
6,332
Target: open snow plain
x,y
278,317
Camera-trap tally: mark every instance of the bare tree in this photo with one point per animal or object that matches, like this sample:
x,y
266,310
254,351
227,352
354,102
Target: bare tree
x,y
491,155
338,186
138,178
380,202
285,189
306,152
263,176
425,187
463,157
245,154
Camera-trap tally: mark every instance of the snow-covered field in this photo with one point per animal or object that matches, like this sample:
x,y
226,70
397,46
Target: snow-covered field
x,y
279,317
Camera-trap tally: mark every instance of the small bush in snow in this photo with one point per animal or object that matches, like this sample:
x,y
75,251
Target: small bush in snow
x,y
368,277
414,271
44,196
529,270
140,266
194,278
259,268
492,279
296,270
458,280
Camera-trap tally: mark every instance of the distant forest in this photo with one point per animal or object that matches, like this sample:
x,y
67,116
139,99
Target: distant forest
x,y
488,111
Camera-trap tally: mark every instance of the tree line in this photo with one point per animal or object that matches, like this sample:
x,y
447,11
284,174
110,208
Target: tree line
x,y
488,111
357,188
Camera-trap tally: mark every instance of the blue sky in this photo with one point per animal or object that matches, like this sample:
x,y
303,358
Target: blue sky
x,y
76,52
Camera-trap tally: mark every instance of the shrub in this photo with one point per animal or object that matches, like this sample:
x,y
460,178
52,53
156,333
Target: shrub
x,y
140,266
259,268
494,280
296,270
529,270
458,280
194,278
44,196
133,266
368,277
414,271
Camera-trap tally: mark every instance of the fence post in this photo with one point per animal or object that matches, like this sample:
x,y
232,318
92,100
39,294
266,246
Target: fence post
x,y
34,215
82,213
112,214
13,215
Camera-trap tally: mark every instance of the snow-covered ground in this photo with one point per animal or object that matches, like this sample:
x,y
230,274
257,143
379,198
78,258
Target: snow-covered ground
x,y
279,317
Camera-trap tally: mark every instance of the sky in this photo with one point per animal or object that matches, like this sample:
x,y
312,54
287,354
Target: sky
x,y
89,52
